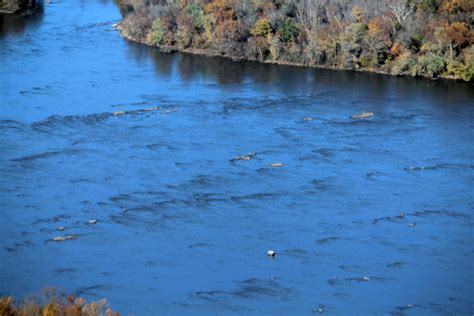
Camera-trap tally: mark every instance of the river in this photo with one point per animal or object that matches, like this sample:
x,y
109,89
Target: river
x,y
367,216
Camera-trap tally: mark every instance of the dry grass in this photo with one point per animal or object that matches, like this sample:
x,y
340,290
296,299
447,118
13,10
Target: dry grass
x,y
53,303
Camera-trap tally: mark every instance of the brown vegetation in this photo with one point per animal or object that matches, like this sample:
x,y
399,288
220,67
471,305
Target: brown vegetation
x,y
53,303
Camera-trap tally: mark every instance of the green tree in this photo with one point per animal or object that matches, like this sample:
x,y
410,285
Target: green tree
x,y
157,32
429,65
197,14
288,30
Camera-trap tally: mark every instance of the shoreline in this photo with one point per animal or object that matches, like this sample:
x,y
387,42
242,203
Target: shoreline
x,y
213,53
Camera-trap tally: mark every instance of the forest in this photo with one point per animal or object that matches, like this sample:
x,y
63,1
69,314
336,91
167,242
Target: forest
x,y
429,38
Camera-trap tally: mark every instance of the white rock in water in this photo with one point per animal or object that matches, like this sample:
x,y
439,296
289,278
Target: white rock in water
x,y
242,158
271,253
276,164
92,221
61,238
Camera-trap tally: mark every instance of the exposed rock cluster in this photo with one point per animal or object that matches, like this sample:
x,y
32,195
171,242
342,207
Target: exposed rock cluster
x,y
23,7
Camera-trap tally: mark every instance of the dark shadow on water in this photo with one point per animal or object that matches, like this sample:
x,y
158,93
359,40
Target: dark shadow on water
x,y
16,25
222,71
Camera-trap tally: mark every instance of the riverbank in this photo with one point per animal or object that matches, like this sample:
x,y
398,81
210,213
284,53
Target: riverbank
x,y
342,37
217,53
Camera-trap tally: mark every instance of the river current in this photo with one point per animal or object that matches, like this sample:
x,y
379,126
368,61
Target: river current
x,y
366,216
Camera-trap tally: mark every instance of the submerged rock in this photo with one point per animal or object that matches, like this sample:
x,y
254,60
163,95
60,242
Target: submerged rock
x,y
332,280
245,157
156,108
320,309
64,238
404,308
169,111
373,174
363,115
359,279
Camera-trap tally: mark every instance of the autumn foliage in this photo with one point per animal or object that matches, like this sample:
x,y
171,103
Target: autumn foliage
x,y
402,37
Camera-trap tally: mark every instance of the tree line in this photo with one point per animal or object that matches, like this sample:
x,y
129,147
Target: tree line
x,y
402,37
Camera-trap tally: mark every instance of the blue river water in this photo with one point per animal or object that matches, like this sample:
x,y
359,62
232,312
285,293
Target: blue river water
x,y
366,216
